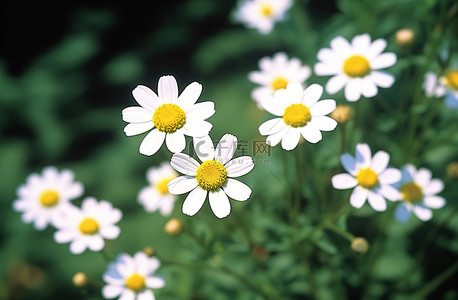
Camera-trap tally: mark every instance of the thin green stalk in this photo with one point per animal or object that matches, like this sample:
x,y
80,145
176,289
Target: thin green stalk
x,y
343,135
106,256
345,234
297,200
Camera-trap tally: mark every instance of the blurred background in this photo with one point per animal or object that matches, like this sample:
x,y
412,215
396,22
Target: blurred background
x,y
67,70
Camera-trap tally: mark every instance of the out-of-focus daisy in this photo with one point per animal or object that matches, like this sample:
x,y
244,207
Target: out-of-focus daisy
x,y
157,196
172,116
44,197
356,66
89,226
275,73
132,278
444,85
262,14
300,113
369,176
418,194
214,176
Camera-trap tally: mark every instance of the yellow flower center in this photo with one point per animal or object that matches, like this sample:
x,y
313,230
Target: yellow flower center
x,y
367,178
211,175
49,198
169,118
411,192
279,82
135,282
297,115
161,186
356,66
89,226
266,10
452,79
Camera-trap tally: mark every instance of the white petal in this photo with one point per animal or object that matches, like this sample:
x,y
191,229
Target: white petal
x,y
389,192
422,213
110,291
197,128
311,134
203,146
325,54
363,155
239,166
110,232
167,89
369,89
136,114
145,295
326,68
423,177
291,138
226,148
182,184
380,161
361,43
273,139
324,123
237,190
377,202
376,48
312,94
349,163
189,96
201,111
402,213
146,98
152,142
127,295
272,126
63,236
390,176
77,246
382,79
194,201
175,141
323,107
343,181
385,60
155,282
219,203
137,128
336,83
353,89
96,243
434,201
184,164
434,187
340,45
358,197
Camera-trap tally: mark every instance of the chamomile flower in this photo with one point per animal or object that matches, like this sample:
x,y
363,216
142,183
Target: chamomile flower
x,y
418,194
156,196
213,177
300,113
444,85
275,73
262,14
44,197
171,116
89,226
369,176
356,66
132,278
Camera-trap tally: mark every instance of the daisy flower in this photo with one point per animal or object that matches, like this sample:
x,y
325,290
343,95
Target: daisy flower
x,y
132,278
44,197
156,196
89,226
356,66
418,194
171,116
275,73
300,113
369,176
444,85
262,14
213,177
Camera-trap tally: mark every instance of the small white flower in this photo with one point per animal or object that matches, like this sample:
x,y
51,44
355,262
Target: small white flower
x,y
300,113
172,116
370,177
44,197
275,73
89,226
132,278
214,176
418,194
157,196
262,14
445,85
356,66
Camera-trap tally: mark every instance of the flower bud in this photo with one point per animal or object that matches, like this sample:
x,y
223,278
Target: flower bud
x,y
452,170
405,37
173,227
341,114
360,245
149,251
80,279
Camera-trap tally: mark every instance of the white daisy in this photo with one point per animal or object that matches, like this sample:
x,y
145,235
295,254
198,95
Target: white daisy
x,y
44,197
275,73
132,278
172,116
418,194
300,113
356,66
214,176
262,14
156,196
89,226
445,85
370,177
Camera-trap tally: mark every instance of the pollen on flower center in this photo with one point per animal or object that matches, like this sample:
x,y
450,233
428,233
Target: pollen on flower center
x,y
367,178
211,175
169,118
135,282
49,198
452,79
411,192
161,186
279,82
297,115
356,66
88,226
266,10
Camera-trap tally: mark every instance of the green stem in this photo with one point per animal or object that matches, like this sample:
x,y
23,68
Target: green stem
x,y
106,256
342,139
297,200
345,234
